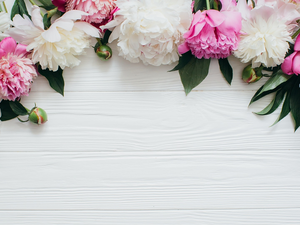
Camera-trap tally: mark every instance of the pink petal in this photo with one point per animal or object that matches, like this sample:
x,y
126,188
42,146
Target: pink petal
x,y
214,18
227,4
21,50
8,45
297,44
183,48
60,4
2,53
244,9
232,24
296,63
287,64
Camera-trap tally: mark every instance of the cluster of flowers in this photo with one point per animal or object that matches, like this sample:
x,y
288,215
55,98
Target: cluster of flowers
x,y
260,32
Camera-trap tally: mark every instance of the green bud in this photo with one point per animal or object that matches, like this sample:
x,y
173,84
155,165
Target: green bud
x,y
104,52
251,75
38,116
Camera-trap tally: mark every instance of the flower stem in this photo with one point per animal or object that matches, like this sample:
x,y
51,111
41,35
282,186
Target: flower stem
x,y
296,34
207,5
5,7
32,2
99,41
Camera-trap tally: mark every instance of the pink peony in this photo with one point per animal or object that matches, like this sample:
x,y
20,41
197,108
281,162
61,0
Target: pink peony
x,y
98,10
16,70
213,34
291,64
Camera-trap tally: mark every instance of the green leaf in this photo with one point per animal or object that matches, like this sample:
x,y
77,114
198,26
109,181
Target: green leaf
x,y
104,40
274,103
183,60
47,4
295,103
199,5
285,108
55,79
272,85
274,81
194,73
226,69
19,7
46,21
6,111
18,108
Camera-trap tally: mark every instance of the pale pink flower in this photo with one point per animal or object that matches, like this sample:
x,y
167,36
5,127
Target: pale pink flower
x,y
213,34
98,10
16,70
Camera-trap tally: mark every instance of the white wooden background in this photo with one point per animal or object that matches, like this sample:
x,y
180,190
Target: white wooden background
x,y
126,146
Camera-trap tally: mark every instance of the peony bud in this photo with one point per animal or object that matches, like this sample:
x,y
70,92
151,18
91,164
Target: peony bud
x,y
251,75
38,116
104,52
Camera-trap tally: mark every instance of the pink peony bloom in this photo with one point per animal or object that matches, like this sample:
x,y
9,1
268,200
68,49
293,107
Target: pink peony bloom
x,y
213,34
16,70
291,64
98,10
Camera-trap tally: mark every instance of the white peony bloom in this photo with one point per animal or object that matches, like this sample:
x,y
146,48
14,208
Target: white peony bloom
x,y
266,31
5,23
57,46
150,30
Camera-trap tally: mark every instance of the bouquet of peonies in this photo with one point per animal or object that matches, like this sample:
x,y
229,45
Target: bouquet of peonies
x,y
50,37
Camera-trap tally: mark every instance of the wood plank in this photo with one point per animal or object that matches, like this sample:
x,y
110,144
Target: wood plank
x,y
216,120
117,74
159,180
167,217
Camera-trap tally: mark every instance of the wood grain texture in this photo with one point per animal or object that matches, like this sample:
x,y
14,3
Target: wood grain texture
x,y
123,121
157,217
177,180
117,74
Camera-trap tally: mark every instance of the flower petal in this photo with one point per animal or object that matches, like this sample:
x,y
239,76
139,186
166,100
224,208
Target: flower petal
x,y
183,48
21,50
88,29
214,18
287,64
297,44
8,45
36,17
296,64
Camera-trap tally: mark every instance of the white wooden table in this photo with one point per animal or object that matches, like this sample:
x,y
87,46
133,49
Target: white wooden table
x,y
126,146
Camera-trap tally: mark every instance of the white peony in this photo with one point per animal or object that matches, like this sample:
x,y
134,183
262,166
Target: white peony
x,y
57,46
266,31
150,30
5,23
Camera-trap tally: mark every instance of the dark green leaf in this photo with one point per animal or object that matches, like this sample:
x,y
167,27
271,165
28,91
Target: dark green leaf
x,y
272,85
6,112
55,79
276,79
295,103
183,60
46,21
199,5
194,73
285,108
47,4
106,37
18,108
226,69
19,7
274,104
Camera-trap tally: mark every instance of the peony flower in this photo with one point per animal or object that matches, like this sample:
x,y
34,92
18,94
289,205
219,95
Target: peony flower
x,y
150,30
5,23
57,46
98,10
266,31
16,70
213,34
291,64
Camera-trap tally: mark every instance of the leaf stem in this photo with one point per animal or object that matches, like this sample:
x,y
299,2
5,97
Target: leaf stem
x,y
207,5
296,34
5,7
32,2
